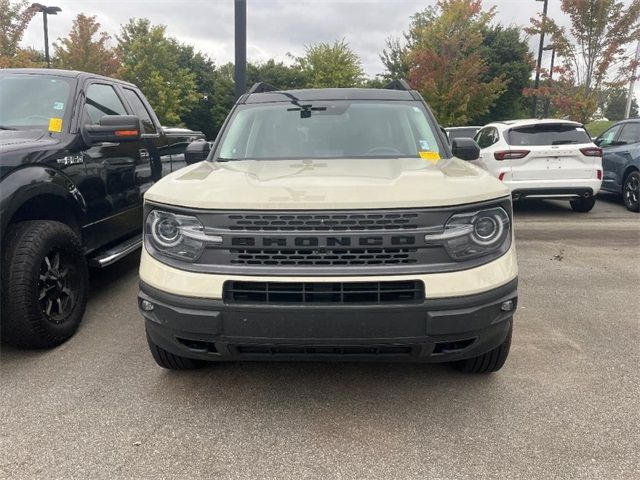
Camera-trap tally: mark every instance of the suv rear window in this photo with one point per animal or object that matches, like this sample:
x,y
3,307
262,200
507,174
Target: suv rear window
x,y
547,134
328,129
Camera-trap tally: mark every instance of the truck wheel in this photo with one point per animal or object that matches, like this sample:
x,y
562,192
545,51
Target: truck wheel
x,y
582,204
491,361
631,192
44,284
170,361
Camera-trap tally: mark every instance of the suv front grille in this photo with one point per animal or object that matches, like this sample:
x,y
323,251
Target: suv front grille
x,y
323,222
377,256
371,293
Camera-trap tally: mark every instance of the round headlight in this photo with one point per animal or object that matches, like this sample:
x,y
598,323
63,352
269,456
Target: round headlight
x,y
487,229
166,231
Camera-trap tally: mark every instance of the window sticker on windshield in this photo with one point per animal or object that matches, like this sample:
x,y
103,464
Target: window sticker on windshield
x,y
431,156
424,145
55,124
58,106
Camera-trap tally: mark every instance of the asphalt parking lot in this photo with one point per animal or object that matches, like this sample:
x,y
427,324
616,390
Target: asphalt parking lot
x,y
566,404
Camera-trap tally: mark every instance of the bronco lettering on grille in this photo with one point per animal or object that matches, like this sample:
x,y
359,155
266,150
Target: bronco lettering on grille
x,y
323,241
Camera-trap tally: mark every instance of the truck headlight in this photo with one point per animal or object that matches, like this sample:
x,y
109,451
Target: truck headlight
x,y
473,234
178,236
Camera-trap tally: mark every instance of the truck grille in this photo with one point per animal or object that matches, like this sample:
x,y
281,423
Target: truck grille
x,y
323,222
372,293
378,256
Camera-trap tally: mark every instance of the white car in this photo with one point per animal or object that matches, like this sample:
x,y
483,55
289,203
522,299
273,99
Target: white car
x,y
544,159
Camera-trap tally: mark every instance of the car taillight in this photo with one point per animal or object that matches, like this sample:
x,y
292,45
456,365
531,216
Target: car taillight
x,y
599,174
510,154
591,151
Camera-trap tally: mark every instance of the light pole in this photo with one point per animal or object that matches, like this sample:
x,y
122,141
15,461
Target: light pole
x,y
240,8
627,109
534,102
46,11
553,57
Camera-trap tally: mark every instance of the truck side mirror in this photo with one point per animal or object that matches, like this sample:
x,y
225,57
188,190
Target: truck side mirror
x,y
113,129
465,148
197,152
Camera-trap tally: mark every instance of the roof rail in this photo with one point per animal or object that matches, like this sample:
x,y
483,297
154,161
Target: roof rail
x,y
399,84
262,87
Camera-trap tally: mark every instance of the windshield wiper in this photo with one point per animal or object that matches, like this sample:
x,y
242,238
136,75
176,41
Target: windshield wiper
x,y
4,127
563,142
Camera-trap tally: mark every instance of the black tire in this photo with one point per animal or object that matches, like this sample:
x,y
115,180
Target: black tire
x,y
631,191
583,205
170,361
45,284
489,362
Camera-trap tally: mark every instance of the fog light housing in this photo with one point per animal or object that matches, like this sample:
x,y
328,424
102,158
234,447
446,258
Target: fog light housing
x,y
146,305
507,306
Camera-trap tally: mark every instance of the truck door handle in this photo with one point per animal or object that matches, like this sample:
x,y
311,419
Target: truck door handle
x,y
144,154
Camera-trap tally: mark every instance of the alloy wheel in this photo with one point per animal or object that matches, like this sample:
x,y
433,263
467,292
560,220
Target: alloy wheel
x,y
57,292
632,191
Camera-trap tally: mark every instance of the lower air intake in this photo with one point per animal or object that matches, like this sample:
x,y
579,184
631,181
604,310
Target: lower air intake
x,y
328,293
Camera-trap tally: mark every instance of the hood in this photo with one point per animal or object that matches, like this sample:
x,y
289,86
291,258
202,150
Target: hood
x,y
326,184
17,140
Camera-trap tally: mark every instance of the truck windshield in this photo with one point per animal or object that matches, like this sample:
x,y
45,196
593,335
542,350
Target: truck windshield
x,y
328,129
32,101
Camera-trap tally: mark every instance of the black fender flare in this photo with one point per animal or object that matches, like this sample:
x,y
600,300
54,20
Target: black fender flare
x,y
29,182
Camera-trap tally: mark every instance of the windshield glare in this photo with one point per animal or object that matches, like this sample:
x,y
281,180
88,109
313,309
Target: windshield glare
x,y
29,101
339,129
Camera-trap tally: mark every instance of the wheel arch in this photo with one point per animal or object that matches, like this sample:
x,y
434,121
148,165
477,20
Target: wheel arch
x,y
40,193
627,171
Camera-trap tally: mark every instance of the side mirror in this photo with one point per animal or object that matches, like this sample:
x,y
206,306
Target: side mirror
x,y
465,148
197,152
598,141
113,129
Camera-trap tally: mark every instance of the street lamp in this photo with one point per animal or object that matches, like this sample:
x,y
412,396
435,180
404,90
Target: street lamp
x,y
240,74
46,11
534,102
551,47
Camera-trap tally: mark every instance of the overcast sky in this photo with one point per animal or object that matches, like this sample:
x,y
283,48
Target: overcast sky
x,y
275,27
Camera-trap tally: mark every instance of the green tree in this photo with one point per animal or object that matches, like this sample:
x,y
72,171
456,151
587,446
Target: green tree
x,y
507,56
278,74
394,59
616,102
151,60
331,65
14,19
223,95
87,48
446,63
204,72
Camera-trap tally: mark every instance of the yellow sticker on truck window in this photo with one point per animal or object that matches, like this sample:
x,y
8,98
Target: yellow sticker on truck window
x,y
432,156
55,125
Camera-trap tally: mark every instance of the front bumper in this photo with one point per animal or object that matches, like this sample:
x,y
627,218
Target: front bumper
x,y
436,330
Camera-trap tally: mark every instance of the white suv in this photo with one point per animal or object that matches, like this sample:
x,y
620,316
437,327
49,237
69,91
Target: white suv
x,y
543,158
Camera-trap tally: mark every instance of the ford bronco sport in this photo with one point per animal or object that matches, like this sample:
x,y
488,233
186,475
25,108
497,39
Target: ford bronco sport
x,y
330,224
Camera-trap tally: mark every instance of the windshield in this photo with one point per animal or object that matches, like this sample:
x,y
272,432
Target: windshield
x,y
30,101
329,129
548,134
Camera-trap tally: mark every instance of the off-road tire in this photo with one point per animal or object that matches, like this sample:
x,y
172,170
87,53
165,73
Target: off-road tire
x,y
583,205
489,362
27,245
170,361
631,191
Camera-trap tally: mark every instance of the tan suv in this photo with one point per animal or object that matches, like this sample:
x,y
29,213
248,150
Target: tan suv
x,y
330,224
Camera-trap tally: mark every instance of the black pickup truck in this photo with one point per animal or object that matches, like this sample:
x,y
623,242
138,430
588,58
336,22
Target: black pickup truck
x,y
77,153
